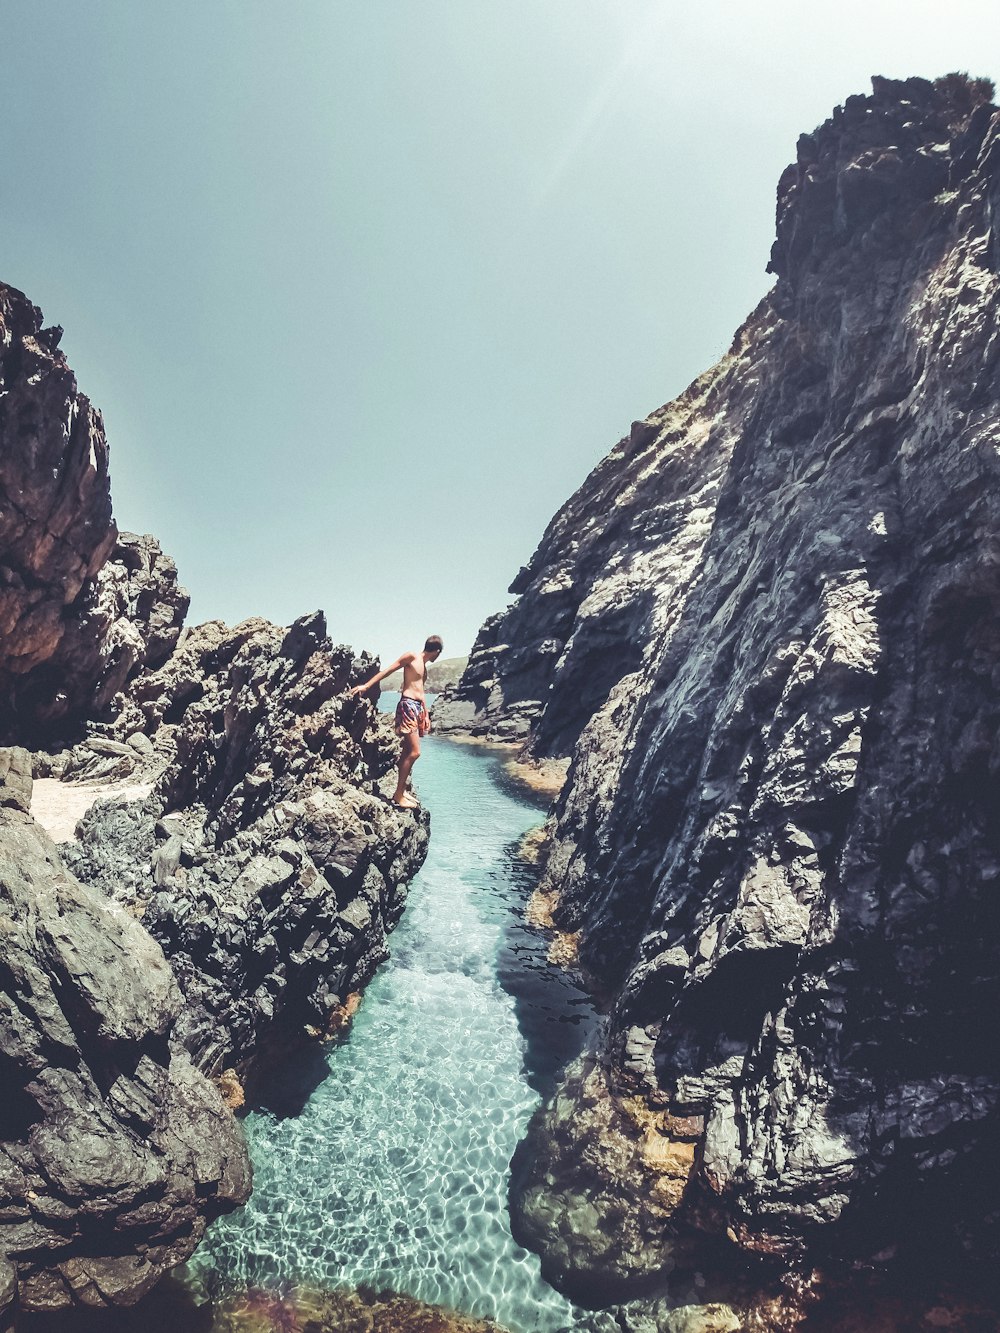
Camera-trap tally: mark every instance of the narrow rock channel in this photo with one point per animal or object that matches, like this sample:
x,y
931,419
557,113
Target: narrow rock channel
x,y
395,1171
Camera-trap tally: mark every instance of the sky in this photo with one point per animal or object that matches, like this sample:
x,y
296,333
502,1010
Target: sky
x,y
365,288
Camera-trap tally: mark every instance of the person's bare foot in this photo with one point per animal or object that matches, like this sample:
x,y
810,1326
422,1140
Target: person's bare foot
x,y
406,803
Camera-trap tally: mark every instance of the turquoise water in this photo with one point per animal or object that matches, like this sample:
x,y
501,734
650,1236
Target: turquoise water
x,y
395,1171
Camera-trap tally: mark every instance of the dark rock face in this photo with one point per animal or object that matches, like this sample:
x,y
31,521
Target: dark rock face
x,y
115,1151
56,529
266,862
80,605
599,593
778,843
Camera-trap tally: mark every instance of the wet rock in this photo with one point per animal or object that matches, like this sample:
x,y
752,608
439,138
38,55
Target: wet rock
x,y
114,1151
661,1317
777,840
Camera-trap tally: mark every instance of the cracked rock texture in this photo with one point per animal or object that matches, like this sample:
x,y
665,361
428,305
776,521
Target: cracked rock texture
x,y
81,606
266,861
779,844
115,1152
56,529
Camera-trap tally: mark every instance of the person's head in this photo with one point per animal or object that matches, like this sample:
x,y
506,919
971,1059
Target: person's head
x,y
433,646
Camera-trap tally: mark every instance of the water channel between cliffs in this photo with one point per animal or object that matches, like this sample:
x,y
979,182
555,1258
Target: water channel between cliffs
x,y
395,1172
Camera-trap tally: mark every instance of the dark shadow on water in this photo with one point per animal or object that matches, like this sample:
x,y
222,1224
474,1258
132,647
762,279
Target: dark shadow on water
x,y
287,1081
554,1014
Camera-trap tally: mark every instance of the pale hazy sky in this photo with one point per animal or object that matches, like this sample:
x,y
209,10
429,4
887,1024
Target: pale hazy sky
x,y
365,288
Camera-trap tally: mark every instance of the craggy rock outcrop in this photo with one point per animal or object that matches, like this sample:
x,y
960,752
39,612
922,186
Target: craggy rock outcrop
x,y
139,611
81,606
779,840
267,861
601,590
264,860
114,1151
56,529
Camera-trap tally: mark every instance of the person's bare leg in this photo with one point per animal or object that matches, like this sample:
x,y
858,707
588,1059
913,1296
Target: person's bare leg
x,y
409,755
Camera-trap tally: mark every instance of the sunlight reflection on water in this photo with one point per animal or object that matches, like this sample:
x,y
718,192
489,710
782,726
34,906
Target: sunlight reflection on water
x,y
396,1171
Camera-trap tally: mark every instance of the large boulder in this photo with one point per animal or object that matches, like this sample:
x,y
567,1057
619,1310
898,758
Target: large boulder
x,y
115,1152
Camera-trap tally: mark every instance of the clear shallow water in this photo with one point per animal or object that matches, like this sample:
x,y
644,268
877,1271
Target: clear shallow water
x,y
395,1172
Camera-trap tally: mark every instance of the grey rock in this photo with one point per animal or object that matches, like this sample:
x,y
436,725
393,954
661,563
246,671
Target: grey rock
x,y
114,1151
777,840
267,862
8,1286
15,778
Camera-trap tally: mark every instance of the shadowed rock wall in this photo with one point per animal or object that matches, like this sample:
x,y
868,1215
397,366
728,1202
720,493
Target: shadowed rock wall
x,y
778,842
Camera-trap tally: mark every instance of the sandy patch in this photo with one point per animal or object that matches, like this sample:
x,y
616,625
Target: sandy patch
x,y
467,738
59,806
545,777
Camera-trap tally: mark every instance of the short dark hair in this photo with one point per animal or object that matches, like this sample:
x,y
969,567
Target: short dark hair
x,y
434,643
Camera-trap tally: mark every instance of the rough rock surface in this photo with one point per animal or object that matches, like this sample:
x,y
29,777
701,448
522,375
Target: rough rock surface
x,y
601,591
266,861
779,840
115,1151
81,606
56,529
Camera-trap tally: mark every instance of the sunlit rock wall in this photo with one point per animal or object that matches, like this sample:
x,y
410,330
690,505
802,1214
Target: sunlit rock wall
x,y
778,846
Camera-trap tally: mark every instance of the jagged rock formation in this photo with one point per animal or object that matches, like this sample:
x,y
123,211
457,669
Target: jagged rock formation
x,y
81,606
115,1151
778,843
266,861
263,859
600,593
56,529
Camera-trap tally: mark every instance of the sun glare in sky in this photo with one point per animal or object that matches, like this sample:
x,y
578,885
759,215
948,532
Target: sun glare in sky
x,y
364,291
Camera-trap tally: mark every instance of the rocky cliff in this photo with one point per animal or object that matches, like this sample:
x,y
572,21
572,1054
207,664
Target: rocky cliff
x,y
115,1151
770,620
237,903
266,861
56,529
80,606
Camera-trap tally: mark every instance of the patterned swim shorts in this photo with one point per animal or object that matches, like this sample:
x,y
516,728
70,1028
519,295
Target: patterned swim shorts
x,y
411,715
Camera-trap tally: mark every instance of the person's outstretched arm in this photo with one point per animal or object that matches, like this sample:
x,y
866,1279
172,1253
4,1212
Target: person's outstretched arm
x,y
386,671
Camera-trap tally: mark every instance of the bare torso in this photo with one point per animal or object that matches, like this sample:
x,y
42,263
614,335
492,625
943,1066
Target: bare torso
x,y
414,675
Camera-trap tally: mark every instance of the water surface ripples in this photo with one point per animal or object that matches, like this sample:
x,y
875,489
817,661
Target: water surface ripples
x,y
395,1172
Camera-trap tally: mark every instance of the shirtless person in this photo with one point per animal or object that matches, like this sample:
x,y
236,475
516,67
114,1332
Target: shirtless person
x,y
412,718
